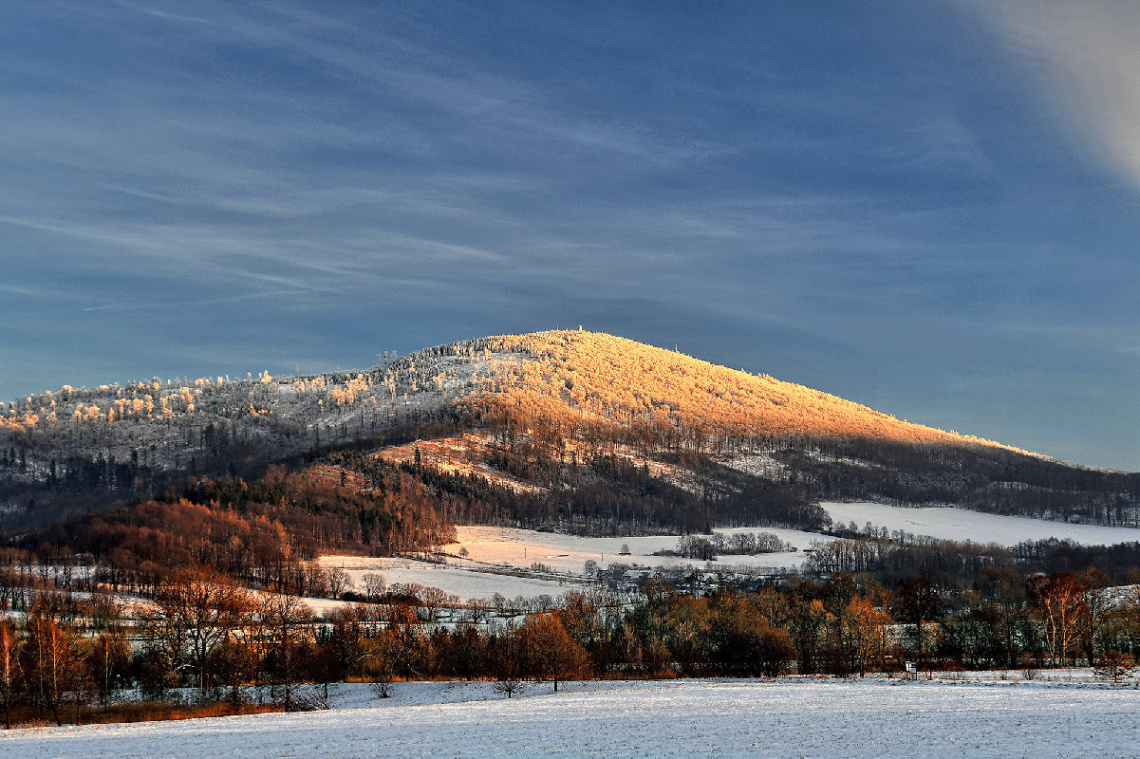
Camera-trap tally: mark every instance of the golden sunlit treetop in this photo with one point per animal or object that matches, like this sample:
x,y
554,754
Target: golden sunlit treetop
x,y
602,377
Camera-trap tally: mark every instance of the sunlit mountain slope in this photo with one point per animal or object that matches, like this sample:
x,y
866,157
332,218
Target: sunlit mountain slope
x,y
575,373
564,430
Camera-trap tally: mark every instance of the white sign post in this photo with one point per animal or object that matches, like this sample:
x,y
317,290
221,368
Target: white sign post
x,y
912,669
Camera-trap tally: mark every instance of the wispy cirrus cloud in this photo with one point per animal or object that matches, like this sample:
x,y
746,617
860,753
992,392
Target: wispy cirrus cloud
x,y
1087,57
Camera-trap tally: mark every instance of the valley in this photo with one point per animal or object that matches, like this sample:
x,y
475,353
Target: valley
x,y
529,509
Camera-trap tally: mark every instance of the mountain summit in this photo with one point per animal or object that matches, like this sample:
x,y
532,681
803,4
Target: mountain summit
x,y
626,382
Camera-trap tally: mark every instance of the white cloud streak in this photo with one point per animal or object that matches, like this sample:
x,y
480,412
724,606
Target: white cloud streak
x,y
1088,56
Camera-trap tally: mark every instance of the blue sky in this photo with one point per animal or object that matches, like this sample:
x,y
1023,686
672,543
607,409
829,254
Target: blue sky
x,y
931,208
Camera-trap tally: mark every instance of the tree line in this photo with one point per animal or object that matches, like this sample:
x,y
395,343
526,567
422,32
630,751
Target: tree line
x,y
207,634
952,565
708,547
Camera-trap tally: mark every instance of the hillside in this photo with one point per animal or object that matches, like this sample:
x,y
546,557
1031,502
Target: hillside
x,y
565,430
594,376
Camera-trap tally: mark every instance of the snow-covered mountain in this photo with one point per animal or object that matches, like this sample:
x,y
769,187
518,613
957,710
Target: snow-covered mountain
x,y
674,442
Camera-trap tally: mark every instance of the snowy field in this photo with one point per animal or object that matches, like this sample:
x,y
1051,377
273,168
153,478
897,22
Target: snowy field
x,y
521,548
781,718
497,546
962,524
489,547
455,578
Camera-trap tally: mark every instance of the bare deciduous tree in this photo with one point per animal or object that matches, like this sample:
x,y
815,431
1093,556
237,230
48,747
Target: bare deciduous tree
x,y
286,619
431,599
194,611
553,654
10,671
338,582
1061,605
373,586
52,665
508,686
1115,666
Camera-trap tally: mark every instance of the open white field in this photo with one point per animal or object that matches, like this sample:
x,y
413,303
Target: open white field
x,y
782,718
455,578
521,548
488,547
962,524
569,553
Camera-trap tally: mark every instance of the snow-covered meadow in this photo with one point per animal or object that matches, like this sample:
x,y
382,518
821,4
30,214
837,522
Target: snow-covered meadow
x,y
458,578
963,524
491,547
521,548
779,718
